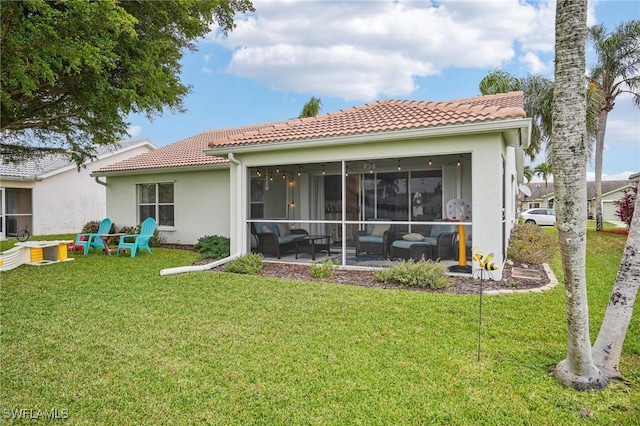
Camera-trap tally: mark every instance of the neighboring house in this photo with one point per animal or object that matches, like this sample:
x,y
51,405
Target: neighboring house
x,y
612,190
541,196
49,195
336,173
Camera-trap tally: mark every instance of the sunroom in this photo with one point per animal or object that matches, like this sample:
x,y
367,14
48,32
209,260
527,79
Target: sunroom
x,y
392,180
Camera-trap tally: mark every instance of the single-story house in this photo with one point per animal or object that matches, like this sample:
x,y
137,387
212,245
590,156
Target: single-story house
x,y
542,195
400,164
50,195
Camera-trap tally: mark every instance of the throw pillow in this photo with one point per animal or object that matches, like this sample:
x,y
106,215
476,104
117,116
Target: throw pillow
x,y
266,230
413,237
379,230
283,229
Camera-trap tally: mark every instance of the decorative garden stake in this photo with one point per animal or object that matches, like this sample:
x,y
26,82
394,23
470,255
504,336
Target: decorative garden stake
x,y
485,265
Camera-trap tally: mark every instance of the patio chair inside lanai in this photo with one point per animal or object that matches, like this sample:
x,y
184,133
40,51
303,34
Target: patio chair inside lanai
x,y
356,212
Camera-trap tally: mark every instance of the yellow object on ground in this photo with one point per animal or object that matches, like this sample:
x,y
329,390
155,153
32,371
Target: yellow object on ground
x,y
34,253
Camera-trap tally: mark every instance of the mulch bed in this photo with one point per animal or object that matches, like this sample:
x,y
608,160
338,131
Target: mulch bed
x,y
617,231
457,284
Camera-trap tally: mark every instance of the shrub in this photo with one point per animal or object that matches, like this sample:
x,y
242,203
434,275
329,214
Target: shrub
x,y
156,241
248,264
530,244
129,230
213,246
322,270
92,227
424,274
626,205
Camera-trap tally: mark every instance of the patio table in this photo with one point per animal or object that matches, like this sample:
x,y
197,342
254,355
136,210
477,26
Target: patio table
x,y
313,242
106,240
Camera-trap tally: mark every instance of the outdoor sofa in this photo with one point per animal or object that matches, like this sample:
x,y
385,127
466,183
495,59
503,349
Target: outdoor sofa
x,y
276,238
435,242
374,239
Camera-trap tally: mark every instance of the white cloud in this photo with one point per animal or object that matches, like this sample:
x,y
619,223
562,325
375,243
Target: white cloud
x,y
535,64
134,130
591,12
591,176
365,50
623,124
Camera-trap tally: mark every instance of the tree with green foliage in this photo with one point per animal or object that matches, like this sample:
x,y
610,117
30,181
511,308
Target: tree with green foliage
x,y
71,71
544,170
538,104
538,96
586,367
617,71
311,108
528,173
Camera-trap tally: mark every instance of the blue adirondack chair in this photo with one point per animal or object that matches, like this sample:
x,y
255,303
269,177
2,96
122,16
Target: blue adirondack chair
x,y
134,242
94,241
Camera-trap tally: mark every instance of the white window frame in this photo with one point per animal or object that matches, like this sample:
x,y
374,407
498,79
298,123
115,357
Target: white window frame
x,y
156,204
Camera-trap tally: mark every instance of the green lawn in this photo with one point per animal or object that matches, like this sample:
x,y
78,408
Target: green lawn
x,y
591,224
111,342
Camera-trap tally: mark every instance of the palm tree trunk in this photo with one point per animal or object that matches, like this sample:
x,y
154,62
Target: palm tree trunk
x,y
569,153
608,345
602,128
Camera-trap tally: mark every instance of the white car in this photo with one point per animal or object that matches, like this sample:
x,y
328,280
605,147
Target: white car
x,y
540,216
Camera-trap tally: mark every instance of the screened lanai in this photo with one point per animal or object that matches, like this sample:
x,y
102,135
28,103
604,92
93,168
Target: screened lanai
x,y
332,210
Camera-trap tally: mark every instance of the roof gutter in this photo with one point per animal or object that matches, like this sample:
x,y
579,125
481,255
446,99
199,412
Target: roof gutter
x,y
98,181
155,170
493,126
22,178
239,230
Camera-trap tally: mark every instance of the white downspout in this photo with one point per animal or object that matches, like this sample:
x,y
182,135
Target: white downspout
x,y
239,230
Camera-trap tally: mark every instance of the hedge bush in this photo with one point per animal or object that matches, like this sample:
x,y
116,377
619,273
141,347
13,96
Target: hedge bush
x,y
530,244
213,246
323,270
424,274
92,227
156,241
248,264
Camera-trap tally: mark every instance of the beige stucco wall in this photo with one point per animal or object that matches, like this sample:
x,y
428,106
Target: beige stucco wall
x,y
201,200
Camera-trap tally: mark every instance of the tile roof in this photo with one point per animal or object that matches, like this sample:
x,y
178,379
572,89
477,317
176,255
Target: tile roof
x,y
385,116
52,162
382,116
185,153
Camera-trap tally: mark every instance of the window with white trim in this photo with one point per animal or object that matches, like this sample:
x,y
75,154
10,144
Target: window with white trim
x,y
156,200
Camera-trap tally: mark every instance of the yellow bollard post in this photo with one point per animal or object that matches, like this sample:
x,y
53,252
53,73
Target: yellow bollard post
x,y
462,246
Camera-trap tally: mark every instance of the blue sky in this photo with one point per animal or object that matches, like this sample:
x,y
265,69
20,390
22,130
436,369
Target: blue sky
x,y
349,53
